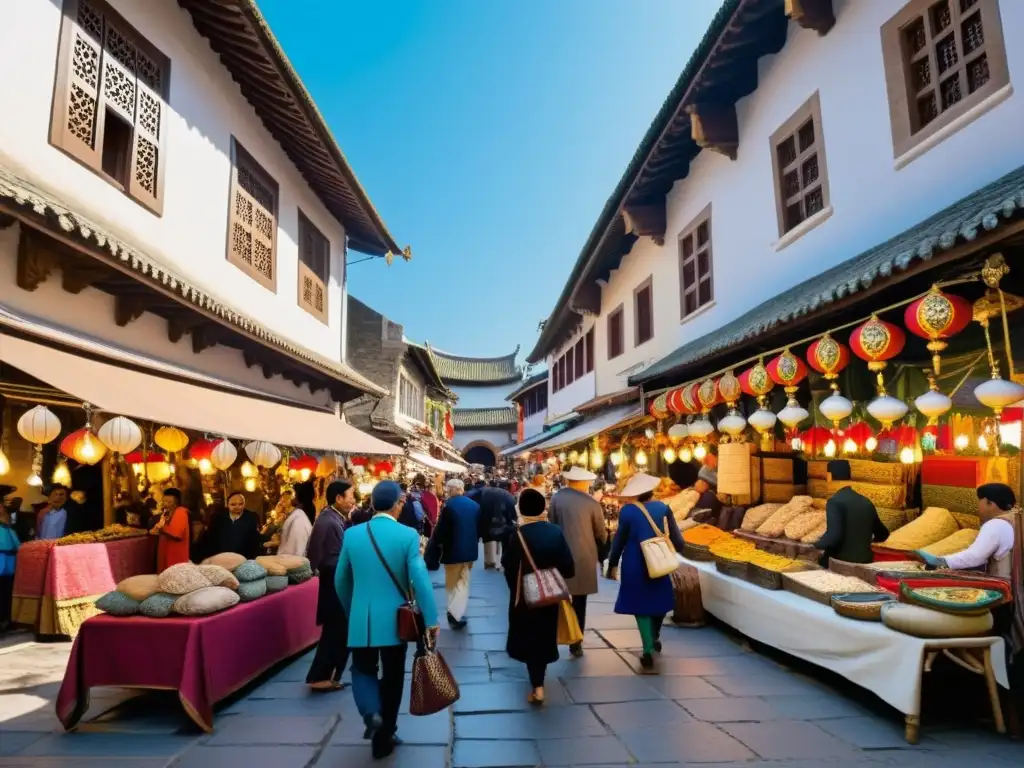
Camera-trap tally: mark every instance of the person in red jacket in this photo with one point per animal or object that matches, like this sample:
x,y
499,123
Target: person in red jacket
x,y
173,531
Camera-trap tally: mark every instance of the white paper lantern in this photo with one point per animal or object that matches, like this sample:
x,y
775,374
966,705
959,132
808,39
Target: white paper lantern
x,y
678,431
39,425
793,413
701,428
835,408
262,453
120,435
762,420
995,393
223,455
732,423
887,410
933,404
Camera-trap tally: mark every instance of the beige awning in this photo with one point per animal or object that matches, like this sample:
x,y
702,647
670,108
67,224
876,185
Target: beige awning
x,y
609,419
114,389
428,461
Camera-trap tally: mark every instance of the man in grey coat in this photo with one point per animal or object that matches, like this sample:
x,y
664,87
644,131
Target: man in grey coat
x,y
581,519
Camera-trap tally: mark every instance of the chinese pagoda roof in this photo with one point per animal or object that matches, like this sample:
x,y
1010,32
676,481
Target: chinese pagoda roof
x,y
533,381
238,32
483,418
456,369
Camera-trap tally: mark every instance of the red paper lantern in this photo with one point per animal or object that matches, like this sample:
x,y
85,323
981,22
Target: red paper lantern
x,y
145,457
675,402
815,439
359,461
937,316
708,394
202,449
756,382
828,357
691,402
859,433
729,388
659,408
787,370
383,467
877,342
305,461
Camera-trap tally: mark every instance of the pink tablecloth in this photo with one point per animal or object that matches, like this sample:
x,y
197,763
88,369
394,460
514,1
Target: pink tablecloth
x,y
205,659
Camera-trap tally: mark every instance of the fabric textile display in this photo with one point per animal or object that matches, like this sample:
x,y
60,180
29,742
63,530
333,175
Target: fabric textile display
x,y
252,590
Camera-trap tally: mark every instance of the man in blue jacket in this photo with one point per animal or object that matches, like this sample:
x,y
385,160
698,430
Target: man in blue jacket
x,y
455,543
380,565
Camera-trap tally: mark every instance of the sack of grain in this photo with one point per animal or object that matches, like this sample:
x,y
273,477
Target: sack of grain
x,y
775,525
934,524
803,524
683,503
950,545
755,516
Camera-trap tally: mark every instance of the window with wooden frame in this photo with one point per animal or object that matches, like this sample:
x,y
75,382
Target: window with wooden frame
x,y
410,398
579,358
570,368
798,162
252,219
589,345
110,100
942,58
643,313
616,334
696,272
314,268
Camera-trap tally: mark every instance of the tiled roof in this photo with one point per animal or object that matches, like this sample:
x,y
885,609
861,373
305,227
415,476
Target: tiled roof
x,y
50,214
981,211
238,32
483,418
455,369
528,384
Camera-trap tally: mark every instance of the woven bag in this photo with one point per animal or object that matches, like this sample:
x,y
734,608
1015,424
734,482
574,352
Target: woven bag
x,y
541,587
434,687
659,554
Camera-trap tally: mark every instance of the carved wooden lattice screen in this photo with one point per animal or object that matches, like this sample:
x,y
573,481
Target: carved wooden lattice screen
x,y
106,70
314,268
252,219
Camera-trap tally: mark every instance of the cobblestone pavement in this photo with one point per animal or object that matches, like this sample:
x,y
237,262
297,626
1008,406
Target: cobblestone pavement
x,y
716,701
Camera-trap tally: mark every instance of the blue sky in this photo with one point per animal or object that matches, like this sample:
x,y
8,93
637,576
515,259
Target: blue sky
x,y
488,134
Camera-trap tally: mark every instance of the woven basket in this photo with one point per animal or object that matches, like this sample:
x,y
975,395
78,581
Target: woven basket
x,y
777,470
762,577
871,610
734,568
817,469
822,598
843,568
696,552
882,472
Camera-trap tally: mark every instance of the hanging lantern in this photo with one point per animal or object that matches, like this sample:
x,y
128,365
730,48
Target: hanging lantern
x,y
61,474
887,410
907,456
262,453
830,449
584,459
574,456
83,446
596,459
691,402
120,435
850,446
640,458
998,393
877,342
814,440
860,433
202,450
678,432
248,470
674,401
787,370
937,316
756,382
327,466
616,457
701,428
962,442
39,425
708,395
732,423
5,464
659,408
304,465
152,464
223,455
669,454
686,455
828,357
762,420
793,414
171,439
250,484
933,403
835,408
700,452
730,389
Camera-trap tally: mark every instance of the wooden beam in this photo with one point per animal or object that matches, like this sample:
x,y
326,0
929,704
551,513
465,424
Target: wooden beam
x,y
587,299
204,336
646,221
35,260
714,126
6,220
128,308
181,323
76,276
812,14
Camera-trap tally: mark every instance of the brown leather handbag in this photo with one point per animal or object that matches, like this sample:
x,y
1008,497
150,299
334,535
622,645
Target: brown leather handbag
x,y
540,588
434,687
411,626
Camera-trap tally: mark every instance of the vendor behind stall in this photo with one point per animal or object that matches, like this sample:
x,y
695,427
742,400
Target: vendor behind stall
x,y
234,529
852,521
707,486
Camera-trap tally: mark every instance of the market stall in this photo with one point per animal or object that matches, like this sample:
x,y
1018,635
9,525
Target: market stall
x,y
56,587
203,658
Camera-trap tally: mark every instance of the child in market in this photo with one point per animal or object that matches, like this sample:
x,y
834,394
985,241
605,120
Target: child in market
x,y
9,544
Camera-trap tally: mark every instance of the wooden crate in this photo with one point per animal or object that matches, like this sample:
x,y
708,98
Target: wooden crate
x,y
780,493
818,488
817,469
775,470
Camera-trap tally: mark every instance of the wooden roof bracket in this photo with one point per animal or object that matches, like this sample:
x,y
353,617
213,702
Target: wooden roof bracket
x,y
646,221
587,299
812,14
715,127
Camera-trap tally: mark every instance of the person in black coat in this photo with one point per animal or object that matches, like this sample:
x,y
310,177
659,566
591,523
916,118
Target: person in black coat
x,y
533,632
455,544
497,520
852,522
235,529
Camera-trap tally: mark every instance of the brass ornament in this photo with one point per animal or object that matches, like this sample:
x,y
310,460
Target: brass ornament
x,y
827,354
789,367
874,340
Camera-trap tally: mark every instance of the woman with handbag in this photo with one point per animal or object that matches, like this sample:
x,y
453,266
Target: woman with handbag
x,y
646,541
537,561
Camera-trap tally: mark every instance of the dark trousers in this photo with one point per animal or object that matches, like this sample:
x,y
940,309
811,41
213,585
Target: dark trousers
x,y
331,652
379,696
579,604
536,672
6,596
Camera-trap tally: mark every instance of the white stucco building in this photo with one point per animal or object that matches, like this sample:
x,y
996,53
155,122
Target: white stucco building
x,y
170,196
787,147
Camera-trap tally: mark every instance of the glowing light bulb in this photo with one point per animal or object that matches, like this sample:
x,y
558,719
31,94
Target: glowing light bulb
x,y
304,474
961,442
596,459
247,470
292,474
830,448
700,452
61,474
669,455
870,444
250,484
205,466
5,464
850,446
907,456
686,455
562,457
616,458
34,480
982,443
137,468
641,458
796,444
583,459
88,448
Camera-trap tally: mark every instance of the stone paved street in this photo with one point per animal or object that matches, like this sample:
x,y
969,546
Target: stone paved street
x,y
716,701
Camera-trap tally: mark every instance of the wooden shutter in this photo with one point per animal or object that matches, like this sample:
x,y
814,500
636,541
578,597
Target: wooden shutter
x,y
145,183
74,126
252,220
314,268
